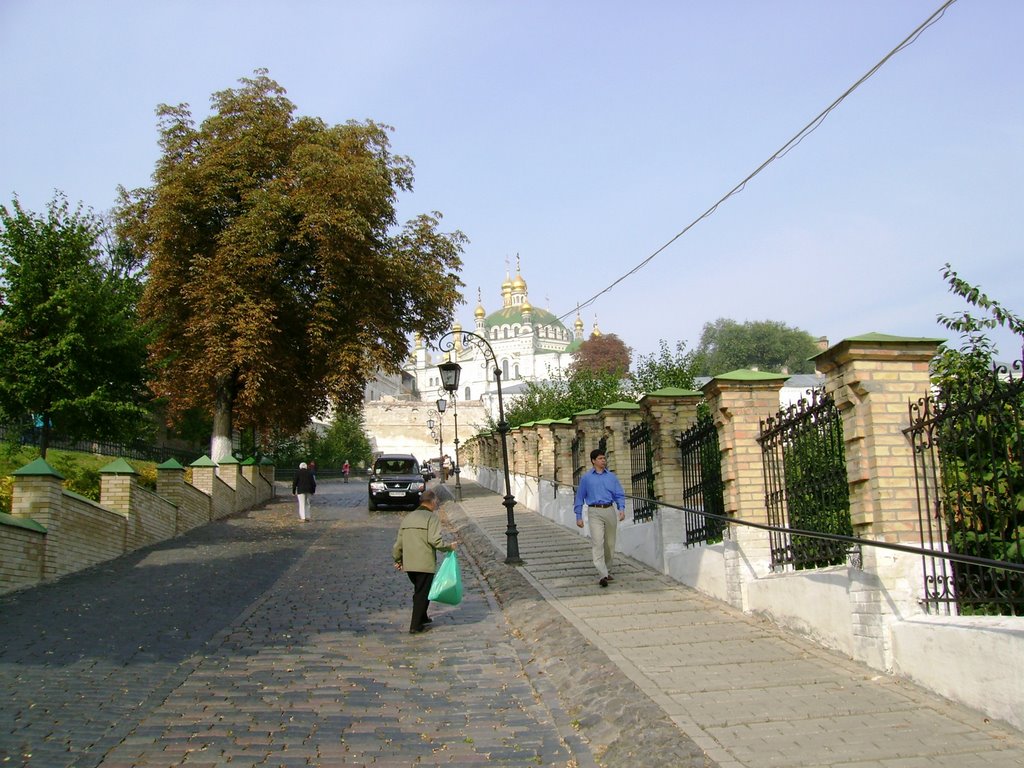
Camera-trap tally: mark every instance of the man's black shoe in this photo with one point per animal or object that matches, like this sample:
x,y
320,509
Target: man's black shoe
x,y
423,628
428,620
603,582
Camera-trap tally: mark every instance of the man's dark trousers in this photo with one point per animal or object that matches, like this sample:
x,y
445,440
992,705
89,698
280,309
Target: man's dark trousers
x,y
421,588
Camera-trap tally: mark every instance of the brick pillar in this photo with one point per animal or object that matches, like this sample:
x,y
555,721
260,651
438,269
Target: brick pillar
x,y
248,470
267,470
228,470
204,470
528,442
617,419
738,401
590,428
117,479
37,495
37,492
515,451
668,412
170,477
872,378
546,448
562,434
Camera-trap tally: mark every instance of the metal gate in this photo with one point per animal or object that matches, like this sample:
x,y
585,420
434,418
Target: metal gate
x,y
968,441
701,462
806,484
641,459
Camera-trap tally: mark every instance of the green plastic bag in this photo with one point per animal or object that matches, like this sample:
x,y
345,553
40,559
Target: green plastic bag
x,y
447,586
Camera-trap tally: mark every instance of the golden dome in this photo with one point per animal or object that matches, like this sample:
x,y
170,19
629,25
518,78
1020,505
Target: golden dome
x,y
519,284
526,306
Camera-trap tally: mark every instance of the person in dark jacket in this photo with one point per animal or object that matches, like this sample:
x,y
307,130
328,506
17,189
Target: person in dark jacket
x,y
303,487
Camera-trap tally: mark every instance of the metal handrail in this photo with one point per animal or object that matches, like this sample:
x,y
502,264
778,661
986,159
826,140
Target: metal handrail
x,y
1004,565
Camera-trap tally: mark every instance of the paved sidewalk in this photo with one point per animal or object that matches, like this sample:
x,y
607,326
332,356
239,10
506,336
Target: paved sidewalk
x,y
746,692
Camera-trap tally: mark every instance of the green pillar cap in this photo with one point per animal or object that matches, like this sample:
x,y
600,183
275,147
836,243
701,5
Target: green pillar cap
x,y
170,464
229,459
675,392
621,405
267,461
118,467
743,374
249,461
38,468
203,461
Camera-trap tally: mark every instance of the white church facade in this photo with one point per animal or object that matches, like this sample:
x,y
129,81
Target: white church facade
x,y
529,344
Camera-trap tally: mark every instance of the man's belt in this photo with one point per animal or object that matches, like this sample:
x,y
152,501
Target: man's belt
x,y
603,506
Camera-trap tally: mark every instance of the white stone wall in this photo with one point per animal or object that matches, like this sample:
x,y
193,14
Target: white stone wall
x,y
400,426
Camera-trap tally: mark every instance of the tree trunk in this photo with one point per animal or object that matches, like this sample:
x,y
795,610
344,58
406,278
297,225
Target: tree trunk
x,y
220,441
44,437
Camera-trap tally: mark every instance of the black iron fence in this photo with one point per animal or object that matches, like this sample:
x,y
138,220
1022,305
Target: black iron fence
x,y
968,440
806,485
578,464
701,463
641,460
138,449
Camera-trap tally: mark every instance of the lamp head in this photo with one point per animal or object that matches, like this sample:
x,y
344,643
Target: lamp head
x,y
442,404
450,375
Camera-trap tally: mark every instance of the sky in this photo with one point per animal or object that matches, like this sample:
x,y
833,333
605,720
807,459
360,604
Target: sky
x,y
582,137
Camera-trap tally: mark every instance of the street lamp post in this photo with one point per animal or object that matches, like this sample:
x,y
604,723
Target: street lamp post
x,y
450,383
442,405
452,369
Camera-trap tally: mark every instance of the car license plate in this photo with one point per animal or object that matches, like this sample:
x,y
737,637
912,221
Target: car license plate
x,y
397,493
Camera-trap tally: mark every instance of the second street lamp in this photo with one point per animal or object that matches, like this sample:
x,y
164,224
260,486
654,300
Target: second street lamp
x,y
450,381
442,405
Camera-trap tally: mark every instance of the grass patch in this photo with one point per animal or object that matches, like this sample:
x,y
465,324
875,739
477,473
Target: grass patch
x,y
81,470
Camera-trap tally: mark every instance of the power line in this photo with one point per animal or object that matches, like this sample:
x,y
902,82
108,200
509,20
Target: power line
x,y
779,153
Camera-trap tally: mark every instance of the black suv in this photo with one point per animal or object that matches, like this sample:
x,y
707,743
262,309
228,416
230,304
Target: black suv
x,y
395,480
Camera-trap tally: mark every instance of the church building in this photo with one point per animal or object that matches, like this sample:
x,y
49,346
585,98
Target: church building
x,y
529,343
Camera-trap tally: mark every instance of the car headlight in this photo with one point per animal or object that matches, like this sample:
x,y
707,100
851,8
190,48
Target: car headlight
x,y
377,487
416,487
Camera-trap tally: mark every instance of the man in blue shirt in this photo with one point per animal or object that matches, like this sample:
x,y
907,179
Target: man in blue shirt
x,y
602,492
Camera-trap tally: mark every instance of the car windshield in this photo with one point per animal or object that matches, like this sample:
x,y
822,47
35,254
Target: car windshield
x,y
397,467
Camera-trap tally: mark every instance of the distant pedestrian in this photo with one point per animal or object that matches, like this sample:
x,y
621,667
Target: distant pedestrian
x,y
602,492
446,466
303,488
415,552
345,470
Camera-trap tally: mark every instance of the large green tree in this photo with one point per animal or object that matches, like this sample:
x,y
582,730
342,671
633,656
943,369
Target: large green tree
x,y
667,368
278,278
769,345
71,354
